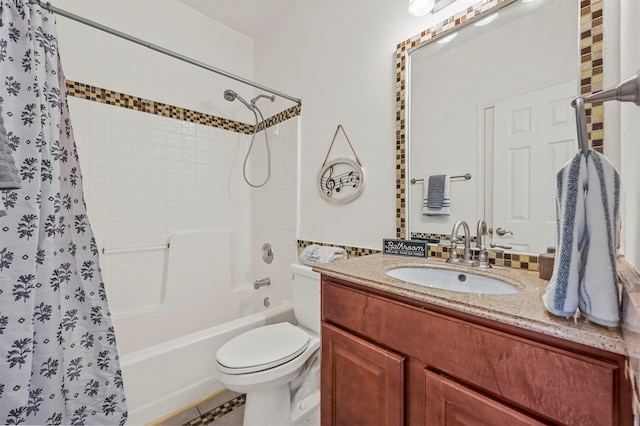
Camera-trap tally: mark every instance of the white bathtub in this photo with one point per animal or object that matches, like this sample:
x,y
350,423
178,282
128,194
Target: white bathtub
x,y
167,346
167,376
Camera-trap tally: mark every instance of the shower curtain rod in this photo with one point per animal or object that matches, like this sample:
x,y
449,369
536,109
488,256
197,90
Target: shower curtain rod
x,y
157,48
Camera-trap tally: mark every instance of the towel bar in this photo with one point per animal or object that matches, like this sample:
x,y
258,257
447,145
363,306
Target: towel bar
x,y
466,176
133,249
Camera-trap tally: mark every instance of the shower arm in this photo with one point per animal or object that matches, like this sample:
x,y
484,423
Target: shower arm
x,y
262,95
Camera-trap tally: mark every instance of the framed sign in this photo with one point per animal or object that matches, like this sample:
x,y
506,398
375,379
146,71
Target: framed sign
x,y
341,180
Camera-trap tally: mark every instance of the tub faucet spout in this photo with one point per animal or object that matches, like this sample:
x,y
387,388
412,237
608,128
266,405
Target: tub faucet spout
x,y
261,283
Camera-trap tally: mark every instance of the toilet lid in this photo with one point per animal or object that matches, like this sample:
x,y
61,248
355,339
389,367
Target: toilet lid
x,y
263,347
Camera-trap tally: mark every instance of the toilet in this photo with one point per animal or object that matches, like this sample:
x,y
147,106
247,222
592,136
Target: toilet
x,y
278,365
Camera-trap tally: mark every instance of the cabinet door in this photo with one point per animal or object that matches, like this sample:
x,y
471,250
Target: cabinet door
x,y
362,384
450,403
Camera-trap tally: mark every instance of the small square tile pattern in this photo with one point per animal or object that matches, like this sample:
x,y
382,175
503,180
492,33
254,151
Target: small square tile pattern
x,y
591,74
509,260
110,97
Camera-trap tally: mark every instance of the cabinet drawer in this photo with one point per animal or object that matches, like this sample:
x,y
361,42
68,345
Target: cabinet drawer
x,y
550,382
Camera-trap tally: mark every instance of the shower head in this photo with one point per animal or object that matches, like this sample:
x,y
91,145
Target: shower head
x,y
231,96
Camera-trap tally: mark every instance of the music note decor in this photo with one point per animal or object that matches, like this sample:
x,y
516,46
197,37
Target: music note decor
x,y
341,180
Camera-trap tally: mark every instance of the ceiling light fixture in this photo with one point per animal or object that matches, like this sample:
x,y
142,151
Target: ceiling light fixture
x,y
420,7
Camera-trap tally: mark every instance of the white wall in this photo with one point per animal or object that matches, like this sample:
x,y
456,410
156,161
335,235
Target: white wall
x,y
339,57
101,59
630,132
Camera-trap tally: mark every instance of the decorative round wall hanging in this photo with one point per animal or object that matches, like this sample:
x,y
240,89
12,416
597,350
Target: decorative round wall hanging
x,y
341,180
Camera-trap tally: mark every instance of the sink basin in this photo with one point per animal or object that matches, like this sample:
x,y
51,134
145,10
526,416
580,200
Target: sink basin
x,y
452,280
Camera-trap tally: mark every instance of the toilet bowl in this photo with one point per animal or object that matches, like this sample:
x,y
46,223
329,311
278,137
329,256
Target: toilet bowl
x,y
278,365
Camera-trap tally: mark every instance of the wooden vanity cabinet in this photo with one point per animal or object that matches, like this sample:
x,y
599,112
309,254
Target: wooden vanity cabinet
x,y
391,360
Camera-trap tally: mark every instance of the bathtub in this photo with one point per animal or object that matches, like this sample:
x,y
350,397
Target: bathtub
x,y
167,346
166,376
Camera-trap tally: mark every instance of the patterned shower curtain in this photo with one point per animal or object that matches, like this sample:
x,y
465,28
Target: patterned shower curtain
x,y
58,357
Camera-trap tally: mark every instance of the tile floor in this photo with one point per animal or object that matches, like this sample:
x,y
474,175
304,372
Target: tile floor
x,y
226,409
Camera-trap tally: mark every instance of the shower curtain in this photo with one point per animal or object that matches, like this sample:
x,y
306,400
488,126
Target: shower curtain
x,y
58,357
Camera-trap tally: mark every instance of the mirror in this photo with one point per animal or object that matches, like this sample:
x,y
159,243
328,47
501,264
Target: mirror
x,y
494,102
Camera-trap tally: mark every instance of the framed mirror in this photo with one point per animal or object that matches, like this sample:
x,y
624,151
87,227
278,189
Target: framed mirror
x,y
459,104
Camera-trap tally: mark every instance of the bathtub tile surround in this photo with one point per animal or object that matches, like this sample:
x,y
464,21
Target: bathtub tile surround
x,y
147,175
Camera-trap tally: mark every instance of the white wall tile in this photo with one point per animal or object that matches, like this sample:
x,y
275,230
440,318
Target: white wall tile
x,y
148,177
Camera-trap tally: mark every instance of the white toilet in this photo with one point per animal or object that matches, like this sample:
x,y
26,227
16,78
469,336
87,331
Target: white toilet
x,y
278,365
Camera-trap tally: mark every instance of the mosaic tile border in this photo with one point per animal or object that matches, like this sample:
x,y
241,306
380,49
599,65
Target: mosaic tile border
x,y
509,260
430,236
591,76
219,411
591,67
497,258
122,100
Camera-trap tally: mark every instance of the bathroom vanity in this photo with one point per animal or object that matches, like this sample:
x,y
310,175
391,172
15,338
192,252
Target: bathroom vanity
x,y
396,353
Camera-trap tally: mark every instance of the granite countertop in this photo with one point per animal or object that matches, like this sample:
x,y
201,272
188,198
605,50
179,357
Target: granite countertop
x,y
524,309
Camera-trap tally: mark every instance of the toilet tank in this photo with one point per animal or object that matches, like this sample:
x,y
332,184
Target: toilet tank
x,y
305,288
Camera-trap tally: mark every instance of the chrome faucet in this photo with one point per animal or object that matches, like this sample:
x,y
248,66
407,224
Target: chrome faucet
x,y
483,256
467,257
261,283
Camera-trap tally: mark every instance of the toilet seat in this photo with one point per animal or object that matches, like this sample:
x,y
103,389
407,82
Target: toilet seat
x,y
262,348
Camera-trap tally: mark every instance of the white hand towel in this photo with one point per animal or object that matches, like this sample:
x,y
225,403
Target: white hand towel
x,y
587,209
599,294
433,185
315,254
561,295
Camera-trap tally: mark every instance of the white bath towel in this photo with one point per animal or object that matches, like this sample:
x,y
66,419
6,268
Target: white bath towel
x,y
584,274
315,254
437,188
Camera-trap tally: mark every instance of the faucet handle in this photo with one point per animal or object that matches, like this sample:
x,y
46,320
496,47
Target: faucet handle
x,y
453,252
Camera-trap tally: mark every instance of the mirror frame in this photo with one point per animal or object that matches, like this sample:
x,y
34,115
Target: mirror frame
x,y
591,76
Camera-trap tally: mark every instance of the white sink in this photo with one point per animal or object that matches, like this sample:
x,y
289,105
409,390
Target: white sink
x,y
452,280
